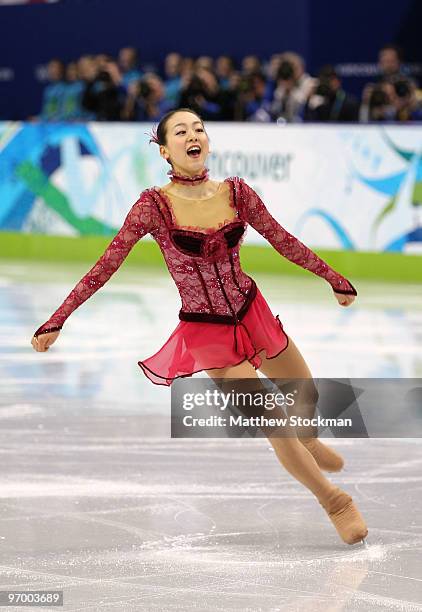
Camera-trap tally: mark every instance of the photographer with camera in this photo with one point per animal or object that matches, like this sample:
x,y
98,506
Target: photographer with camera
x,y
329,102
406,99
203,94
292,88
393,82
379,106
285,105
252,102
146,100
104,92
395,98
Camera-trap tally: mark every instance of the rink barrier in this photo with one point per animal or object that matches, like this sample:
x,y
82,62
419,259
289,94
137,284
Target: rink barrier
x,y
367,265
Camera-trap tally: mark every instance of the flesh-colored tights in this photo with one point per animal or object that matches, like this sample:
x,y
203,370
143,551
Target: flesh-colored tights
x,y
291,453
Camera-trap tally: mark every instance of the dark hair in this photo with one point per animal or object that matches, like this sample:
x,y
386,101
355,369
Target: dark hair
x,y
258,75
159,134
327,72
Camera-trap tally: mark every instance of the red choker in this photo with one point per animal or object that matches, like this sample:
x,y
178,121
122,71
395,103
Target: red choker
x,y
188,180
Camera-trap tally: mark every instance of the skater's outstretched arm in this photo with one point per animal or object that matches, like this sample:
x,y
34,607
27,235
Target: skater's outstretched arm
x,y
142,218
258,216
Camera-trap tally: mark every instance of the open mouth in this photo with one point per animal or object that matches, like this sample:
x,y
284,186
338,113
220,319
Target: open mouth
x,y
194,151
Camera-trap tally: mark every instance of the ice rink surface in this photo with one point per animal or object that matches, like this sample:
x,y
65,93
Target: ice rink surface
x,y
96,499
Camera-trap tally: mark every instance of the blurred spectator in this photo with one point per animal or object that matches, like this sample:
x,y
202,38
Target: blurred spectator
x,y
128,66
98,88
87,68
251,65
204,61
294,86
379,106
329,102
188,64
147,100
53,94
224,68
101,60
389,65
202,93
303,81
405,99
390,58
285,104
224,98
271,72
401,91
72,95
252,104
234,84
271,68
173,82
87,71
104,93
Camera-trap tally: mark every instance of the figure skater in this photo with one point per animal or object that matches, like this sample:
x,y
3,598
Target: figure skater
x,y
226,327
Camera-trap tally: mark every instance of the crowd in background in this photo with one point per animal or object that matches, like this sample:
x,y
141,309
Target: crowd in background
x,y
103,88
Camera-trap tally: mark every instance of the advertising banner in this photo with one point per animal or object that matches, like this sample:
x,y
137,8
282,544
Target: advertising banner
x,y
355,188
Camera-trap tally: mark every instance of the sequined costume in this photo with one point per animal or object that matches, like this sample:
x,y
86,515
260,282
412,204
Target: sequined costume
x,y
224,319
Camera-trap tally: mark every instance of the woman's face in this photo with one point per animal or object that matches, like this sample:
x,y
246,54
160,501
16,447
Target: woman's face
x,y
185,132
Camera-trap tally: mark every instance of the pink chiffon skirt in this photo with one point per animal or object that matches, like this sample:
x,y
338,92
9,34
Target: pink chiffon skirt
x,y
197,346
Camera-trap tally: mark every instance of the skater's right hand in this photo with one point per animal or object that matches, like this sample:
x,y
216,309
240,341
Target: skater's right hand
x,y
43,342
344,299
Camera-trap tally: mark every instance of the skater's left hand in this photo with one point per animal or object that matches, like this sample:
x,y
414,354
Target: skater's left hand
x,y
344,299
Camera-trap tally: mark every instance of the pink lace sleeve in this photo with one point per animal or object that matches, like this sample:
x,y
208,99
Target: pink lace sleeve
x,y
257,215
142,218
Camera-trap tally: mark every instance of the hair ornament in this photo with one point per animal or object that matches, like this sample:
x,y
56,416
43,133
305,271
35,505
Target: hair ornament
x,y
153,135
